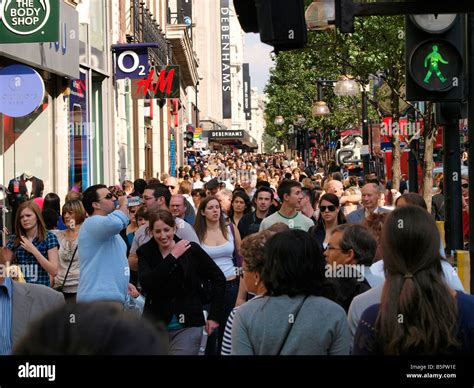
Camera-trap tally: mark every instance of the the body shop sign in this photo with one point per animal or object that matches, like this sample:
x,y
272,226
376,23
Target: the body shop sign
x,y
23,21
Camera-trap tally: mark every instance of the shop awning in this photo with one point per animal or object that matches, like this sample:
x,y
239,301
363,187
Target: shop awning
x,y
236,138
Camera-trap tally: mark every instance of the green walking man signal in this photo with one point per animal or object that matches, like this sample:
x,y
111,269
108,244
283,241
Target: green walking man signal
x,y
434,58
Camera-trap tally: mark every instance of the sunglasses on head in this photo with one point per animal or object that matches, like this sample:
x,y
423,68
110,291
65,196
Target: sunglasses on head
x,y
330,208
465,185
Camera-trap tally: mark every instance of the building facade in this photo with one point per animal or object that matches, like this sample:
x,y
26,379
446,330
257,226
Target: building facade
x,y
93,126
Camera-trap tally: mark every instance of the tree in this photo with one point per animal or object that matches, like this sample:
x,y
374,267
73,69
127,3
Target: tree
x,y
376,48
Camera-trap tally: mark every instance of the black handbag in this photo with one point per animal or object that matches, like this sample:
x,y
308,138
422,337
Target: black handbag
x,y
61,287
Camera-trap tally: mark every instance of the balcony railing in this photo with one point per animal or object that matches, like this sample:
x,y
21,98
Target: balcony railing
x,y
179,18
175,17
146,29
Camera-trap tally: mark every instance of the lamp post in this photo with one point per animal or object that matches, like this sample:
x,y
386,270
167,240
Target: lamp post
x,y
365,132
291,132
300,122
347,86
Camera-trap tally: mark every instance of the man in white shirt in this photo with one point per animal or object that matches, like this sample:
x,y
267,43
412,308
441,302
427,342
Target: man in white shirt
x,y
289,192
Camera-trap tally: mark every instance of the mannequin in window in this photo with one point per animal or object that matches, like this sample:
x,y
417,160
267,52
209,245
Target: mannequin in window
x,y
24,188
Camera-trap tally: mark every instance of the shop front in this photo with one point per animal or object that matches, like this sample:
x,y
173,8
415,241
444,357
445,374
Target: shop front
x,y
34,145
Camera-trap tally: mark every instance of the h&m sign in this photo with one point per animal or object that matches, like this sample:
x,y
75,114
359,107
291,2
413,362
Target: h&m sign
x,y
161,82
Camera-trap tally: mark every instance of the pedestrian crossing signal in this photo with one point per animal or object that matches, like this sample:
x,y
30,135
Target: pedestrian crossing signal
x,y
189,136
435,60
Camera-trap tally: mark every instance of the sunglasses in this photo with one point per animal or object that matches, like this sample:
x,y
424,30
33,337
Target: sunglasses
x,y
330,208
170,187
465,185
108,196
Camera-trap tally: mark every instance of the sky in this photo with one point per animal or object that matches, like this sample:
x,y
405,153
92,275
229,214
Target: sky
x,y
257,54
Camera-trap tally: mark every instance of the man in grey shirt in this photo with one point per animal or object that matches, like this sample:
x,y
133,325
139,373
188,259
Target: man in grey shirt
x,y
157,196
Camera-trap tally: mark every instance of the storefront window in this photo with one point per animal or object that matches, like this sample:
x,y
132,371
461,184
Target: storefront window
x,y
25,159
79,134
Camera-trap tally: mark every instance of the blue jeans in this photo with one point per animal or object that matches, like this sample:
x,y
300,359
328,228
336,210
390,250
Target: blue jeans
x,y
214,341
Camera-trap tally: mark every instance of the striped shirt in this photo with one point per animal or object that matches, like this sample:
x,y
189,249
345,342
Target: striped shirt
x,y
6,291
227,340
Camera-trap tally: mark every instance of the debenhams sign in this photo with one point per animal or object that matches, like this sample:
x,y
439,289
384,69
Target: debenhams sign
x,y
227,134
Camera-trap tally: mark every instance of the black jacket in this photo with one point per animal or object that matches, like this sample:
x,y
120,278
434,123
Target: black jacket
x,y
172,285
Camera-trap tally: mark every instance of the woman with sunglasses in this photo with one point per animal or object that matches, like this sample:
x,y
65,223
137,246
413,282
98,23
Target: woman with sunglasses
x,y
330,216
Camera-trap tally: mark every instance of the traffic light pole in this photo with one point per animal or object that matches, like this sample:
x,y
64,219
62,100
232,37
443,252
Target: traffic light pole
x,y
365,132
452,186
470,103
412,162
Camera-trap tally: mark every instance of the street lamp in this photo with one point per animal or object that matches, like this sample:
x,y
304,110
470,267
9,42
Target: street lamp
x,y
346,86
320,15
279,120
320,108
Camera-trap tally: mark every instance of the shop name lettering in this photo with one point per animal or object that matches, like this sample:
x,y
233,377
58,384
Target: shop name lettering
x,y
164,82
225,49
229,134
63,38
26,16
246,95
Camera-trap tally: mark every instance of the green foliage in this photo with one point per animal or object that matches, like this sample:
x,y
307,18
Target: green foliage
x,y
376,46
271,143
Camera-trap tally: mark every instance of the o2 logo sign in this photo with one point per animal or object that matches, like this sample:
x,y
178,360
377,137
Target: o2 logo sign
x,y
131,64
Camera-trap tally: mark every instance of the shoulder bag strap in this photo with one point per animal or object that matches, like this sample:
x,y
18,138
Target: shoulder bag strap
x,y
237,259
68,268
288,330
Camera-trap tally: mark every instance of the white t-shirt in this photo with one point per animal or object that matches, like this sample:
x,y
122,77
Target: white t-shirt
x,y
449,272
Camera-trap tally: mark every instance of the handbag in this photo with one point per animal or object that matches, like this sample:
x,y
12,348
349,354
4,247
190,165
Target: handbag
x,y
288,330
61,287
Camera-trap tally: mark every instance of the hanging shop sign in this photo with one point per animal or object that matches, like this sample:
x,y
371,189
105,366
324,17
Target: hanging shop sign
x,y
60,56
235,135
225,60
131,60
25,21
21,90
160,82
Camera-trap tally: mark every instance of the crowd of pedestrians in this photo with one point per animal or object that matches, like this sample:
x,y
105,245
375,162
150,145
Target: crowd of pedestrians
x,y
255,254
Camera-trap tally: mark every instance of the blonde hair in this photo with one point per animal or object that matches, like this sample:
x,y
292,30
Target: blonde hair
x,y
77,208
